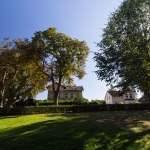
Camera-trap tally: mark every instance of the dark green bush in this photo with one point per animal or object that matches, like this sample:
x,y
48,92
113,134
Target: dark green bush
x,y
50,102
72,108
97,102
80,100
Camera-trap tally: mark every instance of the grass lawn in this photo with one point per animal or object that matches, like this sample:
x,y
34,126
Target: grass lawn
x,y
123,130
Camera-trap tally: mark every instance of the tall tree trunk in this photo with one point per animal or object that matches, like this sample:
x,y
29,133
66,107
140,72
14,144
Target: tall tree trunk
x,y
2,87
147,96
56,98
56,90
11,97
1,95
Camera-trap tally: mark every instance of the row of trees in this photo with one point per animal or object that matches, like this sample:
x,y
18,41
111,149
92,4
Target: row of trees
x,y
26,67
124,55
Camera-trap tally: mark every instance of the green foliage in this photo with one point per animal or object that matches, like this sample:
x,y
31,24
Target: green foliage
x,y
70,108
123,58
112,88
97,102
62,57
26,67
121,103
79,100
49,102
20,78
137,102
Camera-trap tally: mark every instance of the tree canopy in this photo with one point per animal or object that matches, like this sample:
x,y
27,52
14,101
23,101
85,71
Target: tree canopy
x,y
124,55
62,57
20,78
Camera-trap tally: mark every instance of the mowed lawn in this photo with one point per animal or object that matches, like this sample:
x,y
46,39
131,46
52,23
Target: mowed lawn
x,y
105,130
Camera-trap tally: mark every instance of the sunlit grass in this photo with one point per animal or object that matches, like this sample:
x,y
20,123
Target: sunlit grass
x,y
77,131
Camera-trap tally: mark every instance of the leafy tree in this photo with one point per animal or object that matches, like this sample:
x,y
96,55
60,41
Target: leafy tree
x,y
20,77
62,57
123,58
112,88
8,66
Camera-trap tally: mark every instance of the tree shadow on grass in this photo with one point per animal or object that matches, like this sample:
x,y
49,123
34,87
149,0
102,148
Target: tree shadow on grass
x,y
85,131
8,116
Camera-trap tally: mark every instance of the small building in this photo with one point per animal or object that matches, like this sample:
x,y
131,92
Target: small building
x,y
66,92
114,97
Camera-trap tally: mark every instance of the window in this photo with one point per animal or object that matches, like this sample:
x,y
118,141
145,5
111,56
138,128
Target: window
x,y
130,95
126,95
66,96
71,95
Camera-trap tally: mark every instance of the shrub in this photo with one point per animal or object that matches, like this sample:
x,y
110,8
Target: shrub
x,y
137,102
97,102
50,102
78,100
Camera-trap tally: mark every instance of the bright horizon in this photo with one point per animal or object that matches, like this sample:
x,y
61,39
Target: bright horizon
x,y
80,19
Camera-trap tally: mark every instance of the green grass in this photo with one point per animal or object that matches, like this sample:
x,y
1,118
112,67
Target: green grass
x,y
123,130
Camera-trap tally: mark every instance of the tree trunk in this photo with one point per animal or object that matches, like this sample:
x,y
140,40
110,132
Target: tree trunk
x,y
56,98
1,94
2,87
1,99
11,97
147,96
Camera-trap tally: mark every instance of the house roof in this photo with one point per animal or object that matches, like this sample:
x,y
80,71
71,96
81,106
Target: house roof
x,y
113,93
76,88
70,88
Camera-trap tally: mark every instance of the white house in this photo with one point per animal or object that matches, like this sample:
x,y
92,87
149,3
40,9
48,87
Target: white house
x,y
66,92
113,97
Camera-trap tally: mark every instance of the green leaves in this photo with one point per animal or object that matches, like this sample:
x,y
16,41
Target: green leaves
x,y
123,58
23,78
62,56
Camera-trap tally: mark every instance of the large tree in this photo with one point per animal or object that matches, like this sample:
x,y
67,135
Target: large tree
x,y
62,57
124,55
20,77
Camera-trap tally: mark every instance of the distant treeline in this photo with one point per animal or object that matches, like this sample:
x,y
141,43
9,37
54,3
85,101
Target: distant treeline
x,y
33,102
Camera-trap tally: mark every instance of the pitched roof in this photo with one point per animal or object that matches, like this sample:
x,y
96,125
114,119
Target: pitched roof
x,y
76,88
69,88
113,93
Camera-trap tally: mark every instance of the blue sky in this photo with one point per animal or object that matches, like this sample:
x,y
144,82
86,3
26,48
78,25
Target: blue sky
x,y
81,19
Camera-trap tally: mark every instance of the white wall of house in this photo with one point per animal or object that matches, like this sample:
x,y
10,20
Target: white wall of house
x,y
129,95
126,98
117,100
129,101
108,98
65,93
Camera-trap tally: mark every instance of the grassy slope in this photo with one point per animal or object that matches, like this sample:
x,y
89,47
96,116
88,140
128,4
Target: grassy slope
x,y
124,130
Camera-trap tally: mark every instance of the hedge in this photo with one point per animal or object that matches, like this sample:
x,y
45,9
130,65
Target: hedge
x,y
47,103
71,109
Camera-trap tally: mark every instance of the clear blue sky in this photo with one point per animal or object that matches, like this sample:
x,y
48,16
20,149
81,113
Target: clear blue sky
x,y
81,19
